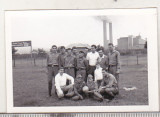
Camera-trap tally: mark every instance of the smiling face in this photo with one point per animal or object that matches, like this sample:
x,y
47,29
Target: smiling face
x,y
90,78
69,52
100,53
104,72
54,49
81,55
79,78
93,49
63,50
61,71
97,66
110,47
74,51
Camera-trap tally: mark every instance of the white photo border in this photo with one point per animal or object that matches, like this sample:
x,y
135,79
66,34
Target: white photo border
x,y
153,89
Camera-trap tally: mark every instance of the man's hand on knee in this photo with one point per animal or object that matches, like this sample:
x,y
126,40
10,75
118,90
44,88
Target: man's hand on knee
x,y
60,94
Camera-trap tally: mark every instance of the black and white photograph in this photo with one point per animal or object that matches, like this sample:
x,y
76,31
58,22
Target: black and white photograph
x,y
85,59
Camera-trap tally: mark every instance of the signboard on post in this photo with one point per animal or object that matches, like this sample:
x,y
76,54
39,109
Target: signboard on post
x,y
21,44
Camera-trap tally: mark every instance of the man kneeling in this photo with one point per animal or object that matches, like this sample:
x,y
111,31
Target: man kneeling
x,y
78,87
60,82
109,84
92,89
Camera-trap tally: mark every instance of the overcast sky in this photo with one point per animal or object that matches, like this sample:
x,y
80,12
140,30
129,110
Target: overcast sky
x,y
46,29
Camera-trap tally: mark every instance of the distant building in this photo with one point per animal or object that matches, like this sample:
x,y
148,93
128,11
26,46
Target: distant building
x,y
130,42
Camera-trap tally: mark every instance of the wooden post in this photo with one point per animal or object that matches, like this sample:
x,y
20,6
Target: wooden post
x,y
14,61
31,54
127,60
31,49
34,61
137,59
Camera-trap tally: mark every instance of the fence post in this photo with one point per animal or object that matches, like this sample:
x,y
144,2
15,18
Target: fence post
x,y
14,61
137,59
34,61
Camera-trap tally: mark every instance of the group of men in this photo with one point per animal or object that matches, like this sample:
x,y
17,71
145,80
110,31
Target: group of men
x,y
77,74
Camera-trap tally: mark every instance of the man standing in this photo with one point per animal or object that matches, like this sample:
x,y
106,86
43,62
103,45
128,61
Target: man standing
x,y
62,88
103,60
114,61
62,56
53,66
69,63
86,51
109,84
74,52
92,58
81,65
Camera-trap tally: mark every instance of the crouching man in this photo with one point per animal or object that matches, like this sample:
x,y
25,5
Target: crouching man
x,y
78,88
62,88
92,89
109,85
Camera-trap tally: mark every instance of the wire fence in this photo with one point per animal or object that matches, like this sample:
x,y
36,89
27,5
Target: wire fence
x,y
125,60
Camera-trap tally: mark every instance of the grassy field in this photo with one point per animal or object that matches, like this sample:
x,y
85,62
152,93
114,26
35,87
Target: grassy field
x,y
30,85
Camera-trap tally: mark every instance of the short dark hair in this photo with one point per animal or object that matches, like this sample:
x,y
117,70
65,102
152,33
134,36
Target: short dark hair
x,y
54,46
61,68
81,52
111,44
103,69
78,75
69,49
74,47
101,49
93,46
62,47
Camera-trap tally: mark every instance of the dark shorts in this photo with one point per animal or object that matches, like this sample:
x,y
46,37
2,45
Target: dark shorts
x,y
99,83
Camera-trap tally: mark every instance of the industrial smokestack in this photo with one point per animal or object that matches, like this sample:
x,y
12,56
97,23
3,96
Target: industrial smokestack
x,y
105,41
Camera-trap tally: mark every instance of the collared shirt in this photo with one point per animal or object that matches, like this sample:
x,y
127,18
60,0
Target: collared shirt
x,y
75,55
69,61
92,58
98,74
114,58
91,85
81,63
109,80
79,84
103,61
53,59
60,80
61,59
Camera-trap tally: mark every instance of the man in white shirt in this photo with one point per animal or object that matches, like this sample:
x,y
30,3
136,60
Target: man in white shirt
x,y
92,58
98,74
62,88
